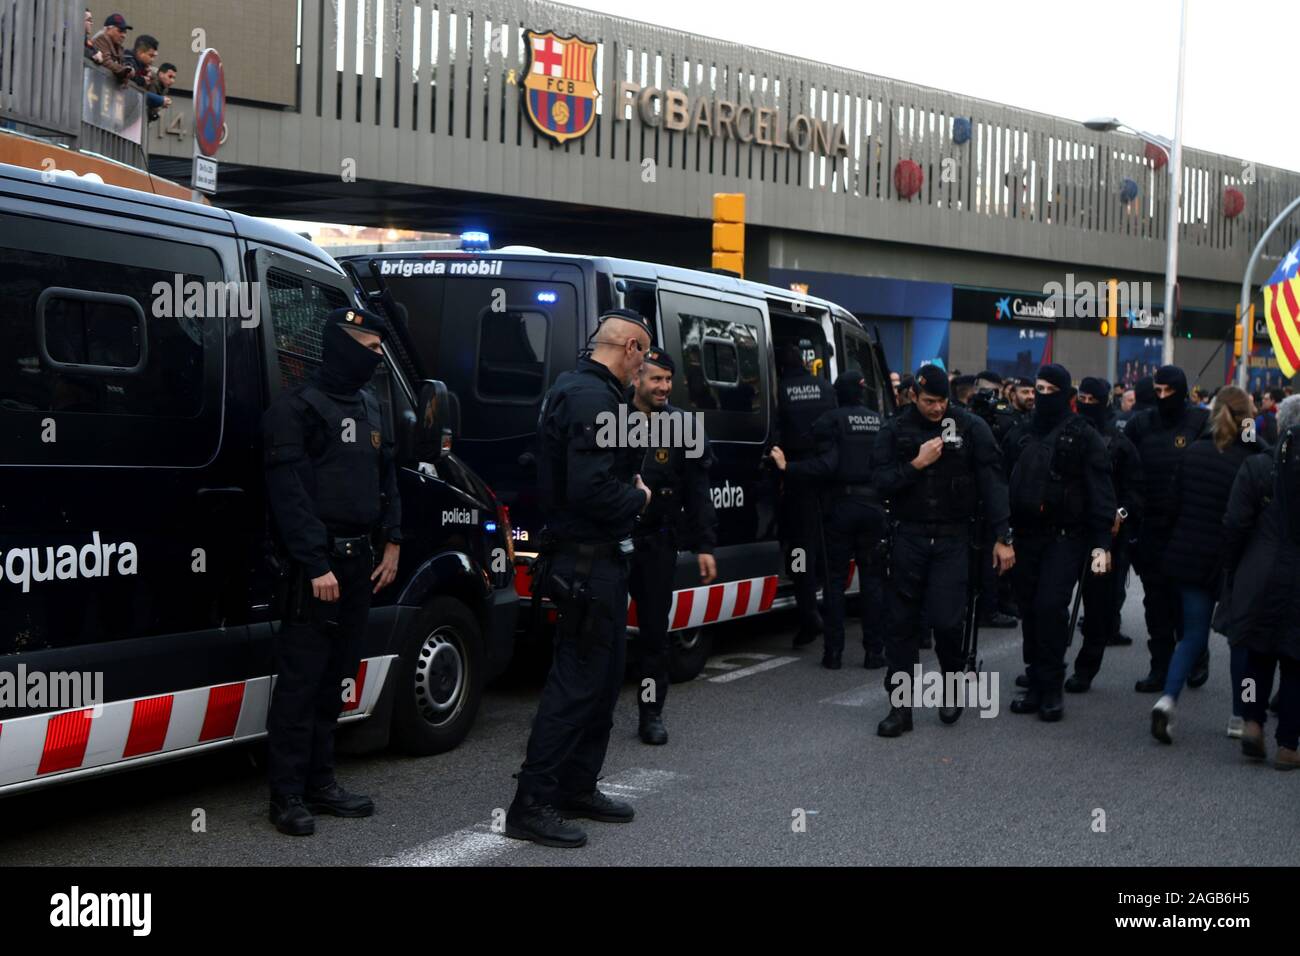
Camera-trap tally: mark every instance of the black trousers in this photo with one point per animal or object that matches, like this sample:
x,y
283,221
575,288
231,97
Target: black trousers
x,y
1102,596
311,662
800,526
650,582
576,713
1046,571
1260,668
1161,601
854,529
927,576
1121,561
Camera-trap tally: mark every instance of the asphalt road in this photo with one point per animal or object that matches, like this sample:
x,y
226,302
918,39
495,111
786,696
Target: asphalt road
x,y
772,761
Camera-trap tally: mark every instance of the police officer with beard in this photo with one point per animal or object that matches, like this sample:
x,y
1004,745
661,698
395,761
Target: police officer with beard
x,y
938,468
855,520
801,399
592,497
332,486
680,513
1103,594
1062,510
1161,434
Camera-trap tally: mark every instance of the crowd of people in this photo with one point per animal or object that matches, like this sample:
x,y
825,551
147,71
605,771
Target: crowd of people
x,y
133,65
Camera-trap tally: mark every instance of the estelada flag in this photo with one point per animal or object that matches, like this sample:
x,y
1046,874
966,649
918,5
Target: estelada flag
x,y
560,85
1282,312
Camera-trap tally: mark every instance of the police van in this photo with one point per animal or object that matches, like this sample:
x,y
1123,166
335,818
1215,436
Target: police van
x,y
499,326
141,339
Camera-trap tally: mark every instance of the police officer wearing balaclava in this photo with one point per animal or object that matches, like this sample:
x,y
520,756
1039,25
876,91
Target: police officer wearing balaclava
x,y
331,482
938,468
1062,510
1161,434
801,399
1104,594
855,520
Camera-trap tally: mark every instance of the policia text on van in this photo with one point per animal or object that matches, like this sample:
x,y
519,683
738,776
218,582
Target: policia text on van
x,y
501,326
134,524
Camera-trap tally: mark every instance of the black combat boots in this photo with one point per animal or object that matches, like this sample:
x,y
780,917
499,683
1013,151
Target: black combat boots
x,y
896,723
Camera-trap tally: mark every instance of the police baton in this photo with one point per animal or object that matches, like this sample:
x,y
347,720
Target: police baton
x,y
1078,599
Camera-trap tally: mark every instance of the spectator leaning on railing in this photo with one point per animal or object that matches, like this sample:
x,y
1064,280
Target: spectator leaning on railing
x,y
140,60
110,42
161,84
90,51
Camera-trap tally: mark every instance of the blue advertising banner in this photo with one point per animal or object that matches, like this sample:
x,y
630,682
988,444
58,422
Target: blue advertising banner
x,y
1018,352
929,342
1139,356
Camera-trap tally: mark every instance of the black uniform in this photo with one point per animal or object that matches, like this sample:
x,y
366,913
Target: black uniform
x,y
855,518
1103,594
933,511
995,591
591,505
332,487
1161,435
680,515
802,398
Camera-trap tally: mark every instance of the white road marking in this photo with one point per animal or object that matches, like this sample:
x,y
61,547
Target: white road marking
x,y
766,665
723,662
478,845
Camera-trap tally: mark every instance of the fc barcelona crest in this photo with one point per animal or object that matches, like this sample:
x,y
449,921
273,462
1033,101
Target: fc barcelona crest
x,y
560,85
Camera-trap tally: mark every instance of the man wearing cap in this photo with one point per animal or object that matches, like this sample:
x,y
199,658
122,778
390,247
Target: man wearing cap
x,y
1062,509
801,399
680,515
855,520
591,495
110,43
1102,594
938,467
1161,434
331,481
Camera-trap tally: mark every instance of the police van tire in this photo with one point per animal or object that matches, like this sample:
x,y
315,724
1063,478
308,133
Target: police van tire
x,y
687,652
439,681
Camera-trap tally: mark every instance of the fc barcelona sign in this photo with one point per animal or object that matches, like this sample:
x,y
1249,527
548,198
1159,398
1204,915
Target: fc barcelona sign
x,y
560,85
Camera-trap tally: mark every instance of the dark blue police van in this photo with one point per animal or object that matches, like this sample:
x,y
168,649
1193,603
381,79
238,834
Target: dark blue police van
x,y
141,338
498,326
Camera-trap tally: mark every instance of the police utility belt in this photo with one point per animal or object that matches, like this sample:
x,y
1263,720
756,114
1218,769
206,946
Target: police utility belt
x,y
850,490
934,529
582,617
346,548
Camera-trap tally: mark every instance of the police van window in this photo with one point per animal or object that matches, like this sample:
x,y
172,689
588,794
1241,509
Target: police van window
x,y
640,297
859,355
298,308
115,341
722,369
511,355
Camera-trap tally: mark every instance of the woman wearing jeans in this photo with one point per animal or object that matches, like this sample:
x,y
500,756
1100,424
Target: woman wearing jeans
x,y
1202,485
1261,550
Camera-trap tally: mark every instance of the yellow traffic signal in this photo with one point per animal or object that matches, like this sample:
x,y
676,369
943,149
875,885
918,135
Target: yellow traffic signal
x,y
729,232
1109,324
1237,350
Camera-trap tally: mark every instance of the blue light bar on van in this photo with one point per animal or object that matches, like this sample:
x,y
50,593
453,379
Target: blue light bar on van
x,y
474,240
490,527
547,297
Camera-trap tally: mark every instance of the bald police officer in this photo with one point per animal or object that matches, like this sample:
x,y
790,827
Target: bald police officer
x,y
680,515
331,482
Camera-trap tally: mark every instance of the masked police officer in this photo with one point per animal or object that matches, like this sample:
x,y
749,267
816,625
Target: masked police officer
x,y
938,468
680,513
1062,509
332,486
802,398
1161,434
855,520
995,600
1102,594
592,498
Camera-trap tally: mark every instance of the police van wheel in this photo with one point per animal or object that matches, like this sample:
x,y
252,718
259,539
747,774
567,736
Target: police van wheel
x,y
439,679
687,652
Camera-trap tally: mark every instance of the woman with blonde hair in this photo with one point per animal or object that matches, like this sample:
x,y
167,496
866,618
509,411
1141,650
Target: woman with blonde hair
x,y
1193,558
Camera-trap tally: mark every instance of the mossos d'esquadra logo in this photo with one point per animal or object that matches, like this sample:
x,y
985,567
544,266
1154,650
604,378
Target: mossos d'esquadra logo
x,y
560,85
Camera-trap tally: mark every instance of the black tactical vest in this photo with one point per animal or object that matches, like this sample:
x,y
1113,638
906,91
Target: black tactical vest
x,y
346,448
945,492
1047,487
857,427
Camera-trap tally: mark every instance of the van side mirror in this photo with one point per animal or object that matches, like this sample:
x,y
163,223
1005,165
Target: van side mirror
x,y
429,436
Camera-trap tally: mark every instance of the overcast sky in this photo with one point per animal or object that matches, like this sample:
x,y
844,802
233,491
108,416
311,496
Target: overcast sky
x,y
1064,57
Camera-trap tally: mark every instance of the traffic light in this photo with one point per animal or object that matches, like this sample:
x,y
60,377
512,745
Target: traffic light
x,y
1238,353
729,232
1109,324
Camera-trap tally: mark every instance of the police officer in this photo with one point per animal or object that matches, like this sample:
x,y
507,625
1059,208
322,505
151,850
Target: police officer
x,y
592,497
1102,594
1161,434
680,513
938,468
995,600
1062,510
332,486
855,520
802,398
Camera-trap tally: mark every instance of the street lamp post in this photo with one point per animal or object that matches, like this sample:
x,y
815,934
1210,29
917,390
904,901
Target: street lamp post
x,y
1174,151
